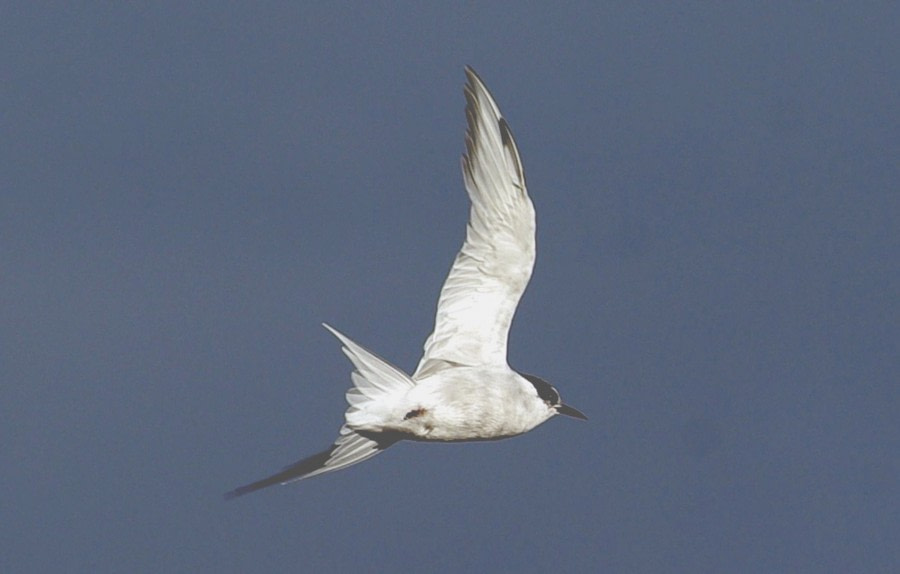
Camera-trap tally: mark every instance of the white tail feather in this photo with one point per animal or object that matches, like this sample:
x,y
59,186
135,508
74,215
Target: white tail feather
x,y
375,383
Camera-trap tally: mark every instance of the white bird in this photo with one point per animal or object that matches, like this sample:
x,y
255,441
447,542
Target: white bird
x,y
463,388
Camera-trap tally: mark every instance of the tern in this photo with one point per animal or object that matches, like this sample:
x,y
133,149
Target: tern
x,y
463,389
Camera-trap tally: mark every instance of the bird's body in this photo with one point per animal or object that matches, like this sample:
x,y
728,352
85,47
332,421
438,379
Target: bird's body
x,y
460,404
463,389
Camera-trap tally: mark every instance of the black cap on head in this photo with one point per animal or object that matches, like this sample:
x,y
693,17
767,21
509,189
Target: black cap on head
x,y
551,396
544,389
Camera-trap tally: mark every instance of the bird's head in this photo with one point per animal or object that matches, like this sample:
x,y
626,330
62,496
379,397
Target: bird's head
x,y
548,393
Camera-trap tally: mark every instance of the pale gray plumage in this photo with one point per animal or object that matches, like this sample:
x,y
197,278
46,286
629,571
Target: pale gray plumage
x,y
463,389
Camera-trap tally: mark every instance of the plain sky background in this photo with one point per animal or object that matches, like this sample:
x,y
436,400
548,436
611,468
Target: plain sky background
x,y
188,190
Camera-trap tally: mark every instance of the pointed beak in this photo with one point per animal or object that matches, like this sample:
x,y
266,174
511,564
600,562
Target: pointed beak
x,y
570,412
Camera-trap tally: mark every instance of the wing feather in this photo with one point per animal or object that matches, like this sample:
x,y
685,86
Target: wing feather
x,y
349,448
493,267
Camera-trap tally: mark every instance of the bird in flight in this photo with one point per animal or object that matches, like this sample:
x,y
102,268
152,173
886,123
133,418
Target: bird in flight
x,y
463,389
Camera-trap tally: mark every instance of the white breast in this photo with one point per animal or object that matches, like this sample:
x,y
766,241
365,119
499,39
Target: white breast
x,y
468,403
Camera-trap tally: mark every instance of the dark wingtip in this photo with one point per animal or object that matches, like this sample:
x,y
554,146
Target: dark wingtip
x,y
474,79
289,473
231,495
254,486
247,489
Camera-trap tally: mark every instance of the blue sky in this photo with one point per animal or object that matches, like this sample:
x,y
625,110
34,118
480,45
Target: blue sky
x,y
187,192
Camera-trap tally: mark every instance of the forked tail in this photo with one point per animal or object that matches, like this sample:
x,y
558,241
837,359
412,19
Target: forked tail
x,y
374,382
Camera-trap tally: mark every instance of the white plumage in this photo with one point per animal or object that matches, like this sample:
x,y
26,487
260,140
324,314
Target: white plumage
x,y
463,389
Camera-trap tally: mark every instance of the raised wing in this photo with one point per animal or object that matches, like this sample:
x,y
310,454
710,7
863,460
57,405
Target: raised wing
x,y
490,273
